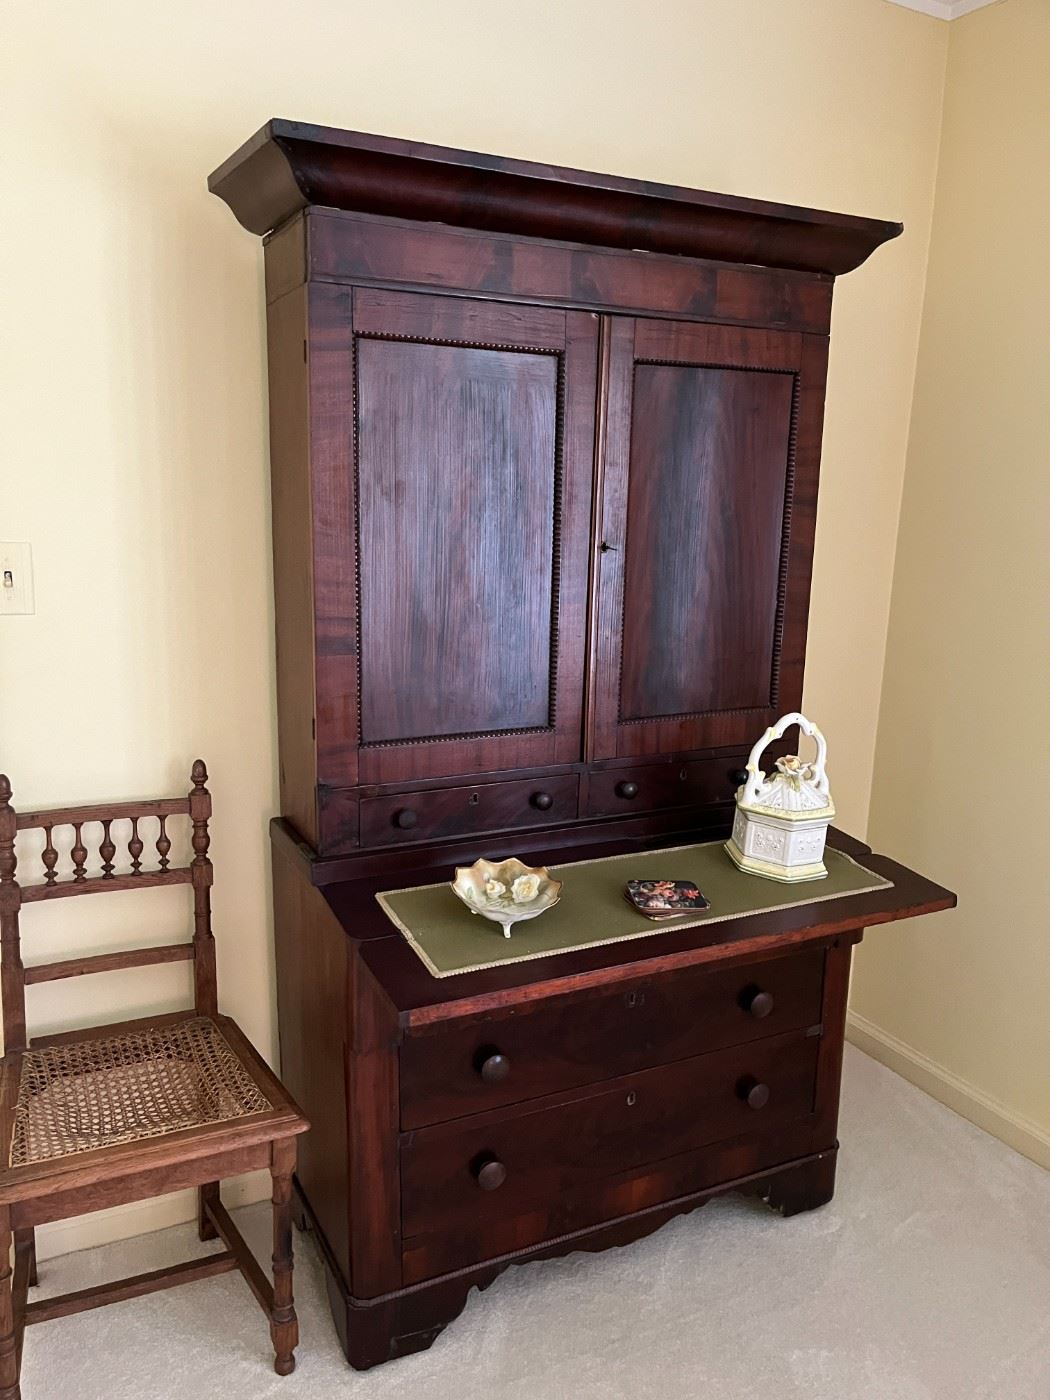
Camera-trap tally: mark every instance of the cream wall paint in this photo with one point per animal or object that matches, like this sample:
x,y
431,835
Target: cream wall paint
x,y
963,764
135,438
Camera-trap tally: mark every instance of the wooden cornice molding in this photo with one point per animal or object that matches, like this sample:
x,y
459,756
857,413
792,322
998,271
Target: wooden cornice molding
x,y
289,166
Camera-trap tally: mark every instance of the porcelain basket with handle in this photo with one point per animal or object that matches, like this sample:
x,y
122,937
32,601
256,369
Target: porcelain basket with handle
x,y
782,817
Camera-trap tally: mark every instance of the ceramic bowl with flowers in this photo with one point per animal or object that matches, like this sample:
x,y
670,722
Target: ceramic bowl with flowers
x,y
506,891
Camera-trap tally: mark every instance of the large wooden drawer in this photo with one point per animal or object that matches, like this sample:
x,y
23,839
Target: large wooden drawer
x,y
640,1191
455,1177
453,1071
460,811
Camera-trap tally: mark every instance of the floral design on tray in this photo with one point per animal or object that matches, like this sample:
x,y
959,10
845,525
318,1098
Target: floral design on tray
x,y
665,899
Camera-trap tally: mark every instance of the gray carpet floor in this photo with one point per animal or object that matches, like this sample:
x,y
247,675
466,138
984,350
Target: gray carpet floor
x,y
927,1278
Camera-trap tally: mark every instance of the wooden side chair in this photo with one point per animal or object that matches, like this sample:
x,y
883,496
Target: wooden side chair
x,y
122,1112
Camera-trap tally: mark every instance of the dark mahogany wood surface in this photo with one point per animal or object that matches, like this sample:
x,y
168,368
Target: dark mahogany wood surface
x,y
458,811
447,593
292,511
344,864
545,451
324,245
448,606
707,507
709,460
289,165
775,1168
313,977
421,999
457,464
521,1054
557,1144
630,1083
630,1205
694,783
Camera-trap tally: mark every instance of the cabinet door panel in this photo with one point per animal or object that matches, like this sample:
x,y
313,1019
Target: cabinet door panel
x,y
456,452
705,513
703,584
472,430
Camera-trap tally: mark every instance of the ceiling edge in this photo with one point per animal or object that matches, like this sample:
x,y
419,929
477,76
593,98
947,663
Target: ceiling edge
x,y
944,9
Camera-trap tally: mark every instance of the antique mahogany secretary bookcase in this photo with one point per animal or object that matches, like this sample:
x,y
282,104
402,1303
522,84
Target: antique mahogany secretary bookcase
x,y
545,450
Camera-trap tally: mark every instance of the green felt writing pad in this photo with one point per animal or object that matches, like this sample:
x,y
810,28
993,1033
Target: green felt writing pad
x,y
593,910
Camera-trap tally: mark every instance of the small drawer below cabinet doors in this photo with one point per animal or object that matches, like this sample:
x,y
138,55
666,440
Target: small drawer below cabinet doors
x,y
454,1070
460,811
621,792
458,1175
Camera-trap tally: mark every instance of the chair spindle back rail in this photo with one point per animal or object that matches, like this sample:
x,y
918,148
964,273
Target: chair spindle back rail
x,y
163,843
107,850
14,977
135,847
79,854
50,858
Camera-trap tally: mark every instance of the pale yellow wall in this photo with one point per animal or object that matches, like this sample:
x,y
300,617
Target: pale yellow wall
x,y
134,424
963,762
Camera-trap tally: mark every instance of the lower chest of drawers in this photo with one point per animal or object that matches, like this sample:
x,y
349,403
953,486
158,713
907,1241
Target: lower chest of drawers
x,y
526,1126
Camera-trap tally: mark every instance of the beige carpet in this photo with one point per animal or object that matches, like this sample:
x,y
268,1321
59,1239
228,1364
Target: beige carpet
x,y
927,1278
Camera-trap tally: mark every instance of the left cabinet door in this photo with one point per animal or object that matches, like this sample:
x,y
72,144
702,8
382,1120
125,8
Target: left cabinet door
x,y
452,480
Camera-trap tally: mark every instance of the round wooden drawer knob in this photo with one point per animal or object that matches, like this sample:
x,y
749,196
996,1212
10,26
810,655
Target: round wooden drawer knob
x,y
490,1173
543,801
738,777
754,1093
627,790
494,1067
405,818
760,1004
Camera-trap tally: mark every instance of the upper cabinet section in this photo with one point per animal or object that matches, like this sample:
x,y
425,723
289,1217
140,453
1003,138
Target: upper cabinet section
x,y
289,165
544,455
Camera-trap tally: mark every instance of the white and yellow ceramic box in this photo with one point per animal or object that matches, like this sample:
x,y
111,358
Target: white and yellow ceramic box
x,y
782,818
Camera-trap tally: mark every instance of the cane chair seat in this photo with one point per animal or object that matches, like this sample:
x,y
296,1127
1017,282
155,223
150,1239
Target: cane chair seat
x,y
93,1093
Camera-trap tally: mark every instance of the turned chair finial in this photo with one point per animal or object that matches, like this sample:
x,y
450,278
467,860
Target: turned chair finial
x,y
8,831
199,774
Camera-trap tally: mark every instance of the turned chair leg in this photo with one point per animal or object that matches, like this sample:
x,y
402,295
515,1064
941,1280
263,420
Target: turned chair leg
x,y
25,1240
284,1325
9,1387
205,1194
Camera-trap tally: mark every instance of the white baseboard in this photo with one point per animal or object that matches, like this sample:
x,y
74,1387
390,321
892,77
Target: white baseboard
x,y
963,1098
141,1217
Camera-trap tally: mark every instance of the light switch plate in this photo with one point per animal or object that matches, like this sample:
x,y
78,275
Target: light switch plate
x,y
16,578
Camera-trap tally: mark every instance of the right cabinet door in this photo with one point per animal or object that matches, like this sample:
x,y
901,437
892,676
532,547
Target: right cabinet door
x,y
711,455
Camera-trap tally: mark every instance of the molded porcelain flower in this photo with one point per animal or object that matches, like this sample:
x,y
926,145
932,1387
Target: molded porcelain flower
x,y
524,888
793,767
506,891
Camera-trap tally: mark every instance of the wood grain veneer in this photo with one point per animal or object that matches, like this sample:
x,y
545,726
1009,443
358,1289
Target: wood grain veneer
x,y
545,458
287,166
